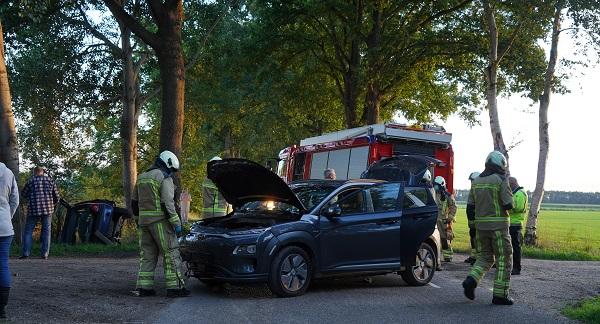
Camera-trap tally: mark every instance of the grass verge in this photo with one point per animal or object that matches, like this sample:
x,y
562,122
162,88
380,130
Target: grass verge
x,y
587,311
562,235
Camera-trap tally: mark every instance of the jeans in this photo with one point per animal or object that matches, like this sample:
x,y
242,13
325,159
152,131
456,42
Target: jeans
x,y
45,237
4,251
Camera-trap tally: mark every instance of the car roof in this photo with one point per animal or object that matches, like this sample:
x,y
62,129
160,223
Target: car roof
x,y
333,183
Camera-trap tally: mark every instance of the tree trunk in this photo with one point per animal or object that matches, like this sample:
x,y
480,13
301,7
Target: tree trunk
x,y
172,75
351,75
491,77
544,138
9,148
129,117
374,93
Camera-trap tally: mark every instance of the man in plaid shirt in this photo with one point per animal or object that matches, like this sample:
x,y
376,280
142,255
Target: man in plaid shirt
x,y
42,196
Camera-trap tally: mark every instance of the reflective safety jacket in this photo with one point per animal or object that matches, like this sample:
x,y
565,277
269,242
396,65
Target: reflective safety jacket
x,y
155,195
446,208
213,203
517,214
492,198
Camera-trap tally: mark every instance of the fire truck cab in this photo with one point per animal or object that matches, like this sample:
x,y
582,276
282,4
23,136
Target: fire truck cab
x,y
350,152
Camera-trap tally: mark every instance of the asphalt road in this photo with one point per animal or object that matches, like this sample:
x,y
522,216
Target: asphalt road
x,y
540,292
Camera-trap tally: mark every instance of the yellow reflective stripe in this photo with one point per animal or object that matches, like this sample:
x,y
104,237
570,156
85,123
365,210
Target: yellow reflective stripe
x,y
151,213
174,219
155,186
497,220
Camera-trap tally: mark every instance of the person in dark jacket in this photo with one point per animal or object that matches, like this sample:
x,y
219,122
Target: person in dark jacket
x,y
42,196
9,202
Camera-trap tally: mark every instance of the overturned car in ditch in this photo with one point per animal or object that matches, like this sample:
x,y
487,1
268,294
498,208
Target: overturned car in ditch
x,y
286,236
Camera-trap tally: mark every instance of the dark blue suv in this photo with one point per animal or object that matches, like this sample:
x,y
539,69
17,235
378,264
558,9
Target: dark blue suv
x,y
287,235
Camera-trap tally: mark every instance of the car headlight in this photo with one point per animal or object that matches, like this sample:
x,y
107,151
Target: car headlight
x,y
245,249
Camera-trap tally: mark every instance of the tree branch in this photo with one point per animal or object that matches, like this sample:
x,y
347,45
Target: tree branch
x,y
510,42
120,14
443,12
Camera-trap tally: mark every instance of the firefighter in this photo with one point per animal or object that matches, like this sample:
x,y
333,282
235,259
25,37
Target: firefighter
x,y
446,213
490,199
517,214
473,257
214,205
158,226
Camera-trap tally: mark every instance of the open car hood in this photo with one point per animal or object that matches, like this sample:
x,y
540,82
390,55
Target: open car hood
x,y
405,168
241,181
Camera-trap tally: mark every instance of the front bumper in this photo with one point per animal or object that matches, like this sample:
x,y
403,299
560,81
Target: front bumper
x,y
211,259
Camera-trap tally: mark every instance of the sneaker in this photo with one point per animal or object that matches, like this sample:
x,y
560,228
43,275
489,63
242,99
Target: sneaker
x,y
23,257
141,292
502,301
45,257
174,293
469,286
470,260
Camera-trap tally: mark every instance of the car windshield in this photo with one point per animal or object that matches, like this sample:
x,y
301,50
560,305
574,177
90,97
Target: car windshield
x,y
311,195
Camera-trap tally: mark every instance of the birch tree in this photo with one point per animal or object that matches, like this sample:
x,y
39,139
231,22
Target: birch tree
x,y
585,17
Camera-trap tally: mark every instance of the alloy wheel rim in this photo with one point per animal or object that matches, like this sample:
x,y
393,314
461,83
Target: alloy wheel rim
x,y
424,265
294,272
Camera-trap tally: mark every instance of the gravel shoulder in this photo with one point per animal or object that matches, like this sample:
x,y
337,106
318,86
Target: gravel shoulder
x,y
98,290
79,290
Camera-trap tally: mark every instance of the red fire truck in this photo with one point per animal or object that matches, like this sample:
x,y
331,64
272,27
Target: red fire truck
x,y
349,152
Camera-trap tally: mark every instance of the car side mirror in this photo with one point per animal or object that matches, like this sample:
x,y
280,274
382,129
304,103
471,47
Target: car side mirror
x,y
332,211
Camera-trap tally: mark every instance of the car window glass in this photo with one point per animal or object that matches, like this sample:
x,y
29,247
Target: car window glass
x,y
385,197
350,201
415,197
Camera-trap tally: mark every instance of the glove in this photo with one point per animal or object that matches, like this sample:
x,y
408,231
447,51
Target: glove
x,y
178,229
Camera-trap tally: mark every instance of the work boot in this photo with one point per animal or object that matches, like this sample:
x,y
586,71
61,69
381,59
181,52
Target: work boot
x,y
23,257
4,291
515,272
470,260
173,293
469,285
141,292
502,300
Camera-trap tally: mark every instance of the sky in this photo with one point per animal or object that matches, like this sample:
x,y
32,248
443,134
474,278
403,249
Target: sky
x,y
574,136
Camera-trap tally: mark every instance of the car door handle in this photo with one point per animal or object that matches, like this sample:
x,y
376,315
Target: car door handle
x,y
387,222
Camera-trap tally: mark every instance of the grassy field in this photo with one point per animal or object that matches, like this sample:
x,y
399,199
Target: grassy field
x,y
562,235
587,311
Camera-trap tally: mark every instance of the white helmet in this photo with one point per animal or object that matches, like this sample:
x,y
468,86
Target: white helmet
x,y
474,175
426,177
497,158
170,160
440,181
215,158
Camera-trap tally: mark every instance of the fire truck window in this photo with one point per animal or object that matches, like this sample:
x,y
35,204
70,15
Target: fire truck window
x,y
299,166
359,157
338,160
318,165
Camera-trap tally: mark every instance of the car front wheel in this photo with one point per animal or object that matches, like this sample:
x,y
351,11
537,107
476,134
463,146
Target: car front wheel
x,y
291,272
422,272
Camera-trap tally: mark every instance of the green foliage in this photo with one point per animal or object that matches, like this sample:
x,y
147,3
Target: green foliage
x,y
587,311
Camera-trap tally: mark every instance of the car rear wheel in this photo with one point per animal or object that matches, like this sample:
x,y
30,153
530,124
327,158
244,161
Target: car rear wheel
x,y
422,272
291,272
